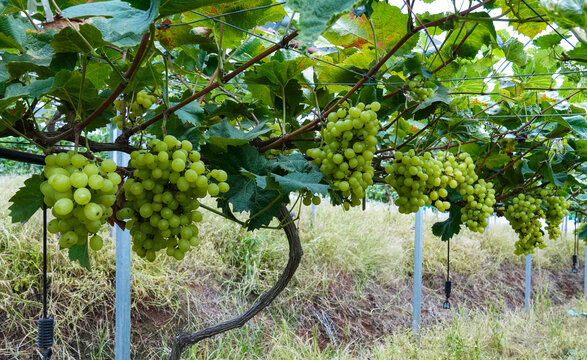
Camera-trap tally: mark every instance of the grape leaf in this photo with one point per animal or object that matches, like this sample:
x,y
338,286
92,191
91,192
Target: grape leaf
x,y
27,200
279,72
12,32
291,173
547,41
578,123
191,113
69,40
497,161
170,7
317,16
122,21
428,106
240,163
478,35
231,36
223,134
518,9
514,52
448,228
296,181
80,253
583,233
557,179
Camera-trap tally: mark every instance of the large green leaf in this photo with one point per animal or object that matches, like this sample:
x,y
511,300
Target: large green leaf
x,y
520,10
246,20
280,72
514,51
390,25
479,33
301,174
80,253
579,52
27,200
577,123
67,86
12,32
170,7
317,15
123,20
241,164
69,40
448,228
223,134
296,181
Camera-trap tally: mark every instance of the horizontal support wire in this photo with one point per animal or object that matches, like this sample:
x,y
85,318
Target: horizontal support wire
x,y
440,80
378,82
291,49
526,115
212,17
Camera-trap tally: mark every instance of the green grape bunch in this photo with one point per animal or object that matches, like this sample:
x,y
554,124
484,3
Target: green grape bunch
x,y
419,90
524,214
308,198
419,180
80,193
136,110
557,207
346,153
275,132
162,197
480,200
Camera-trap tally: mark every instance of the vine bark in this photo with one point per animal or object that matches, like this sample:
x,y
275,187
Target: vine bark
x,y
183,340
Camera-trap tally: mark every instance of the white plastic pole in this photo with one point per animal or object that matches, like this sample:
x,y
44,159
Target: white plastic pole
x,y
528,287
122,305
417,306
314,208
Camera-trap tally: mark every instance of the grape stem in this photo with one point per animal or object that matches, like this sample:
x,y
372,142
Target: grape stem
x,y
219,213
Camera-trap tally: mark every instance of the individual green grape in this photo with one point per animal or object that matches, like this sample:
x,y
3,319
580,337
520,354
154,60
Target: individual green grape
x,y
63,206
96,243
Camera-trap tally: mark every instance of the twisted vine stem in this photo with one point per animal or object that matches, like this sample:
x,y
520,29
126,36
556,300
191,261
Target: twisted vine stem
x,y
184,340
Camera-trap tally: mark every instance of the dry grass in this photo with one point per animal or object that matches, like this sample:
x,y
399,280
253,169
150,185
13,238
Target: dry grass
x,y
350,299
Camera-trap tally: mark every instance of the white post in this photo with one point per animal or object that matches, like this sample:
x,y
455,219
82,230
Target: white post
x,y
314,207
585,274
417,305
122,306
528,287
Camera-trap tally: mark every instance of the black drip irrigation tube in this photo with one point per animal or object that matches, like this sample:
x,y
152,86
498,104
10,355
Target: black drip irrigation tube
x,y
20,156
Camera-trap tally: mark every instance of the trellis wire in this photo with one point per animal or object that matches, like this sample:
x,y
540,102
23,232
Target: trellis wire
x,y
547,23
212,17
291,49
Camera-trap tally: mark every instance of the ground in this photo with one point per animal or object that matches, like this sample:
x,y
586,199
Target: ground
x,y
350,299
